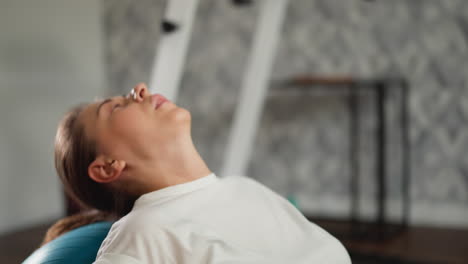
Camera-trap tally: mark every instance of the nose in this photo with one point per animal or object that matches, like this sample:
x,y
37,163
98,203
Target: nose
x,y
139,92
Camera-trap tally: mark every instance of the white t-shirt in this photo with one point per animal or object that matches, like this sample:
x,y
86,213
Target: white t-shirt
x,y
232,219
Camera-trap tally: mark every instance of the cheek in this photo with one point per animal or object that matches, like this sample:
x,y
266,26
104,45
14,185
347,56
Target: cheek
x,y
128,124
131,134
143,129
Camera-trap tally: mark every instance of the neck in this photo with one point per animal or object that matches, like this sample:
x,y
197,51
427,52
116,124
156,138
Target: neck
x,y
172,168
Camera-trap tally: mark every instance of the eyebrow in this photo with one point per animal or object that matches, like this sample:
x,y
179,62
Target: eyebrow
x,y
101,104
104,102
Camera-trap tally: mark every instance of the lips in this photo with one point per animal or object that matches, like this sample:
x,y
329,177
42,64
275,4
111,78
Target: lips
x,y
157,100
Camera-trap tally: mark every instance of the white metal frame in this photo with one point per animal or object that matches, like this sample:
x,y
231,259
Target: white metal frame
x,y
254,87
172,49
170,59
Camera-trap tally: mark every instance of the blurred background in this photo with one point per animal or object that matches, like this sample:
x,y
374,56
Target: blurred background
x,y
54,54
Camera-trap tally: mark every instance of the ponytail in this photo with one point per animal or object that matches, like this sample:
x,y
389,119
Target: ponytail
x,y
74,221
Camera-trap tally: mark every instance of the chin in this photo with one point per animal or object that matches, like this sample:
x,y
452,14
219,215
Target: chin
x,y
182,115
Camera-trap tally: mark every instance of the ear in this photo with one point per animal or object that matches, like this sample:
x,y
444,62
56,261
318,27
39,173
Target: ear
x,y
105,170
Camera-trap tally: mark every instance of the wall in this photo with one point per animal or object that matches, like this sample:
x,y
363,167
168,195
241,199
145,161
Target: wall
x,y
50,58
301,145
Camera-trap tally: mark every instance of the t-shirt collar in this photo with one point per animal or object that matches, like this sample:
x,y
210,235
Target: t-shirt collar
x,y
166,193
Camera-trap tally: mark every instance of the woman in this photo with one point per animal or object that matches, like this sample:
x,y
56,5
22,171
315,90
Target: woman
x,y
133,157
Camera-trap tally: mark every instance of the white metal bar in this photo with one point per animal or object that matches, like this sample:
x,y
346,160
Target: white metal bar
x,y
171,53
254,87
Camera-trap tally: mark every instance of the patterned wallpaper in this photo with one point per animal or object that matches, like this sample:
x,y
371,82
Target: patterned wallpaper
x,y
302,142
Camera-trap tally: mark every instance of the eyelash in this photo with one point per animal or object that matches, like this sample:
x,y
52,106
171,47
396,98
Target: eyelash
x,y
118,104
115,106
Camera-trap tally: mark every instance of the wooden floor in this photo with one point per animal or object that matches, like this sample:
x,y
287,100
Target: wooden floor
x,y
418,244
16,246
415,244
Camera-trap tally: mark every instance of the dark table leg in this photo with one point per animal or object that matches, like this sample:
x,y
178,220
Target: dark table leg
x,y
406,148
353,105
381,146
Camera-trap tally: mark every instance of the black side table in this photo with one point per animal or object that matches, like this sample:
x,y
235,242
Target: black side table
x,y
380,228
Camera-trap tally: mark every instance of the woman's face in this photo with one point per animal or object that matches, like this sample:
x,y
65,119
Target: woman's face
x,y
135,126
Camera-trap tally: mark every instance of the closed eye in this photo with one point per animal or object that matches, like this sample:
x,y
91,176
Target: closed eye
x,y
115,106
118,104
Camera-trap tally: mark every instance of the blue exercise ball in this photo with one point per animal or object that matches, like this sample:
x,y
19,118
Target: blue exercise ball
x,y
76,246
